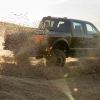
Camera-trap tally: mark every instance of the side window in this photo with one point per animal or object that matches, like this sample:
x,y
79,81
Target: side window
x,y
90,29
78,28
61,27
60,23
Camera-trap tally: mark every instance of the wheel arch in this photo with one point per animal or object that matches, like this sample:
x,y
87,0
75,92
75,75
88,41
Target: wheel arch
x,y
61,44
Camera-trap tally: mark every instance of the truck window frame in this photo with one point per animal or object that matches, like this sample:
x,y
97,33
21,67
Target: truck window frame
x,y
91,26
82,23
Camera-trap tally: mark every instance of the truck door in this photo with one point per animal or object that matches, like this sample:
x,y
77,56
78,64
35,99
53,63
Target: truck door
x,y
78,34
92,36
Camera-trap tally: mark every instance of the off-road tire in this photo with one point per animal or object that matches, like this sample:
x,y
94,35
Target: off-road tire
x,y
57,58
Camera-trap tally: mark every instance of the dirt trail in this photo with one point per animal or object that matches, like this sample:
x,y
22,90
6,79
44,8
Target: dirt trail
x,y
80,87
73,88
62,85
12,88
49,83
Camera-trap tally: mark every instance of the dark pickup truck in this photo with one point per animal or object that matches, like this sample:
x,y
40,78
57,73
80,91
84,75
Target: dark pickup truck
x,y
62,37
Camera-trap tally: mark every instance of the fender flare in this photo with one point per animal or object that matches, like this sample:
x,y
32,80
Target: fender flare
x,y
58,40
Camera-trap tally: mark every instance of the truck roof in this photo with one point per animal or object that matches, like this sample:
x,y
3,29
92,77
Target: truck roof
x,y
65,18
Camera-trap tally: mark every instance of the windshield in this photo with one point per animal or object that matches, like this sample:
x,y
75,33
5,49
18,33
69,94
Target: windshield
x,y
55,25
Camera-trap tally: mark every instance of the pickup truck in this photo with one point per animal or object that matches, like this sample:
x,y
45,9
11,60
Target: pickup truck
x,y
59,38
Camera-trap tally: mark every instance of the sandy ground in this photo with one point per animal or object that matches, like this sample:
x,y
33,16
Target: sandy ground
x,y
73,88
38,82
12,88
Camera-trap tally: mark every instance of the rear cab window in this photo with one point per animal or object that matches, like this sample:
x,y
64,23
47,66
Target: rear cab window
x,y
56,25
78,28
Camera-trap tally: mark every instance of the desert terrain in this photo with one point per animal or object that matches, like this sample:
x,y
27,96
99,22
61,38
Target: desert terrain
x,y
79,79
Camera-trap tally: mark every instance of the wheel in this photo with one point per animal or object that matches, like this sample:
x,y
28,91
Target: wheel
x,y
57,58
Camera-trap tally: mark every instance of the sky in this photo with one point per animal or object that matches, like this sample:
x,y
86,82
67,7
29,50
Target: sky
x,y
30,12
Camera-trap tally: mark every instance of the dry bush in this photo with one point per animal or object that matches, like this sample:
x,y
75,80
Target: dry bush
x,y
9,28
22,46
